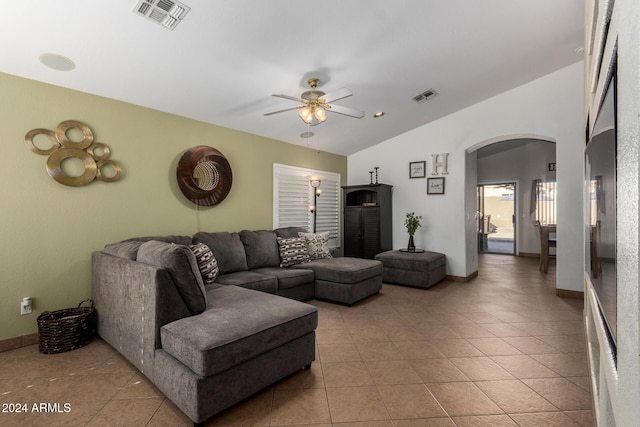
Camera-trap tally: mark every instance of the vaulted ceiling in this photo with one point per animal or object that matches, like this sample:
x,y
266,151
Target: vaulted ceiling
x,y
225,58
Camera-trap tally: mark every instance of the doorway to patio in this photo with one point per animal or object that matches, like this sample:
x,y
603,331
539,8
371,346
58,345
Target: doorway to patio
x,y
497,217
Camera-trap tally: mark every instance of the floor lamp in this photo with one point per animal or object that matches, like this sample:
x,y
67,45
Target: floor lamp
x,y
315,184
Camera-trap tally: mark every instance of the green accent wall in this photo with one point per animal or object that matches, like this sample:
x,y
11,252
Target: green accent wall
x,y
48,231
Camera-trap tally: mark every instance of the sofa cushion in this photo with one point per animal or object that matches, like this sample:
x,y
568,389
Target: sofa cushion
x,y
206,262
287,232
126,249
261,248
344,270
288,278
171,238
227,248
250,280
317,245
292,251
182,266
238,325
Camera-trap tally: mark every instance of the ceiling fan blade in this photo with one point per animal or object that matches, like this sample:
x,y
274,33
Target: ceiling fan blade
x,y
292,98
346,111
338,94
282,111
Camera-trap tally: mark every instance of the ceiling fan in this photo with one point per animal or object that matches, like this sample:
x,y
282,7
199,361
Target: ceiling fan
x,y
315,104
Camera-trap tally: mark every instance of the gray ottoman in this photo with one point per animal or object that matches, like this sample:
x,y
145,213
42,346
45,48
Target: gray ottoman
x,y
345,279
419,269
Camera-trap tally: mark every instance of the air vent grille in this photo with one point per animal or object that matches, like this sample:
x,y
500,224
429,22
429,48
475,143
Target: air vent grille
x,y
167,13
425,96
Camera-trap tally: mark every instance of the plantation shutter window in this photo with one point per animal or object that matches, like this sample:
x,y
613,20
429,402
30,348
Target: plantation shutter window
x,y
292,197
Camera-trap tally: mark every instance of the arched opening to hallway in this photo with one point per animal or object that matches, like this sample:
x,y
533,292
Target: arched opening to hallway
x,y
508,182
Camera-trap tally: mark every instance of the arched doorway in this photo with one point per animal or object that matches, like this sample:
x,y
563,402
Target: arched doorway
x,y
511,162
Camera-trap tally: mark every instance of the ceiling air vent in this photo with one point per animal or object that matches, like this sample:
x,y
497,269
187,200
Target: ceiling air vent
x,y
425,96
167,13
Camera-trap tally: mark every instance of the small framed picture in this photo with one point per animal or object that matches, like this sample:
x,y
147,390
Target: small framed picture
x,y
417,169
435,185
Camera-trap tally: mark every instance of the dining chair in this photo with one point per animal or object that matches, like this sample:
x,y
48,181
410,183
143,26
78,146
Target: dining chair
x,y
546,242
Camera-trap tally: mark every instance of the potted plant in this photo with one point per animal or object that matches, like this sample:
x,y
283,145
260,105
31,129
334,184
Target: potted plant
x,y
412,222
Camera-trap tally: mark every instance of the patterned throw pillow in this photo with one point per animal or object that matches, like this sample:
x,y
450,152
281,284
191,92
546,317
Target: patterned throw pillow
x,y
292,251
317,244
206,262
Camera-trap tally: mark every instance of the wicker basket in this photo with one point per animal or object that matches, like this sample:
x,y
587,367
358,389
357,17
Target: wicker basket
x,y
66,329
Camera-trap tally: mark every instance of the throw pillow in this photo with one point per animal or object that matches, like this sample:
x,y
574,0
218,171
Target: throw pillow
x,y
317,244
292,251
206,262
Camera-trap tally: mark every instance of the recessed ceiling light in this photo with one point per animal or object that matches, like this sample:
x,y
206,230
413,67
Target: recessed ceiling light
x,y
378,114
57,62
306,134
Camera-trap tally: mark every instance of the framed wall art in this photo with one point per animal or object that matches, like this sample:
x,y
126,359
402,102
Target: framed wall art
x,y
435,185
417,169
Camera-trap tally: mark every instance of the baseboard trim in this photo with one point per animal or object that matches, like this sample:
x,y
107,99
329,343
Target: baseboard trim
x,y
18,342
463,279
529,254
566,293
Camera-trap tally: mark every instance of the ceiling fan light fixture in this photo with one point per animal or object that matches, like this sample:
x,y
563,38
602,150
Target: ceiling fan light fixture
x,y
314,104
306,114
320,113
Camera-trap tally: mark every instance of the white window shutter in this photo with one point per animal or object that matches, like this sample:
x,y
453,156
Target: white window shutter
x,y
292,201
328,210
292,196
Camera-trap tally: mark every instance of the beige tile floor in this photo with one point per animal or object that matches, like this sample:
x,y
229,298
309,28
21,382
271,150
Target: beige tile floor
x,y
501,350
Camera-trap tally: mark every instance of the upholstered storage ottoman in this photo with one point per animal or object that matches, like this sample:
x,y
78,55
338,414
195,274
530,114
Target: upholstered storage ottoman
x,y
419,269
345,279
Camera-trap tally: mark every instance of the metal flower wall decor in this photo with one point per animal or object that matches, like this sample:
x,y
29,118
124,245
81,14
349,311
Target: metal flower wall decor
x,y
95,156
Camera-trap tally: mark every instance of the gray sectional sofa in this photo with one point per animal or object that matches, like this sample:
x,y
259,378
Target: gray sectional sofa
x,y
209,346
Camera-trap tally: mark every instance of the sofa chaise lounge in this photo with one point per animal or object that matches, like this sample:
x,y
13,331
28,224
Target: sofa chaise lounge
x,y
209,346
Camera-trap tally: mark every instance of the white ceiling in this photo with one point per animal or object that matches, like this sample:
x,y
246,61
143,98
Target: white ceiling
x,y
227,57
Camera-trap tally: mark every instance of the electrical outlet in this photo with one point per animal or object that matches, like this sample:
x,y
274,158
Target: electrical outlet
x,y
26,306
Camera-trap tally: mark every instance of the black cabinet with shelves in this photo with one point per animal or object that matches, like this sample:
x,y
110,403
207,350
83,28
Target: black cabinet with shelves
x,y
367,220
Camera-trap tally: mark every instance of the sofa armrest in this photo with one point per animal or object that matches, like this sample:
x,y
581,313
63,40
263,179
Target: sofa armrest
x,y
133,301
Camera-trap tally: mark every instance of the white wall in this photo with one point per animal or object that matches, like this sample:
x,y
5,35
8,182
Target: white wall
x,y
471,205
550,107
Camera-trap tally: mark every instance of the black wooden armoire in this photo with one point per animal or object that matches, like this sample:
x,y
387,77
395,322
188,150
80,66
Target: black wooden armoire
x,y
367,220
